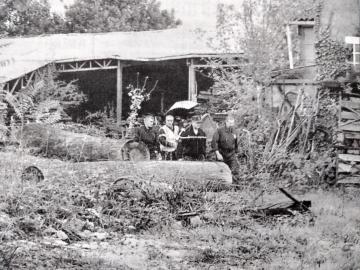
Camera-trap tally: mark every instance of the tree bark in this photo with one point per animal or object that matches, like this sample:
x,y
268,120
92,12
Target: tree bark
x,y
168,172
53,142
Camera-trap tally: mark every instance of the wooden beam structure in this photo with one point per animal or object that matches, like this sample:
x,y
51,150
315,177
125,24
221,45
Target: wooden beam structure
x,y
88,65
214,66
119,90
295,82
303,23
24,81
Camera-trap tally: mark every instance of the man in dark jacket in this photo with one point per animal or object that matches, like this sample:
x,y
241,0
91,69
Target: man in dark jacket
x,y
225,145
148,136
193,141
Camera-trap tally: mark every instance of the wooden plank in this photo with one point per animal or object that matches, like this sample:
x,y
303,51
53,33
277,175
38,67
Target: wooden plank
x,y
303,23
352,40
344,147
87,69
350,127
217,66
119,91
351,95
354,98
350,122
350,180
351,104
344,168
353,152
348,168
351,135
349,115
348,157
295,82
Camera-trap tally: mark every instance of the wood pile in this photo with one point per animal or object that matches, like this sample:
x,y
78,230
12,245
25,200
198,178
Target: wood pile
x,y
295,125
348,139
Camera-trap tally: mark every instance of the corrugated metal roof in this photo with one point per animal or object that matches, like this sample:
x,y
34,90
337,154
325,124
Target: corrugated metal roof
x,y
24,55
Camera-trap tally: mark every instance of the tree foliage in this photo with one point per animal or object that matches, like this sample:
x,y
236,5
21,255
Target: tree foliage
x,y
120,15
34,17
28,17
258,29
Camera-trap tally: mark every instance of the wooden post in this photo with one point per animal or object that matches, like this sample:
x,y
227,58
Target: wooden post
x,y
192,81
119,91
289,41
162,102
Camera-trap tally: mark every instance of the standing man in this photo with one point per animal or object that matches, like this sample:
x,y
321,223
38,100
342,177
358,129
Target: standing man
x,y
193,141
225,145
148,136
168,139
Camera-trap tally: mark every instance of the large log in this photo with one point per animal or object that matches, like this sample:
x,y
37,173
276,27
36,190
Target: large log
x,y
169,172
54,142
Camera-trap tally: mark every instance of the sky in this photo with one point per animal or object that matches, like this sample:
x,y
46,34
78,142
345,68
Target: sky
x,y
193,13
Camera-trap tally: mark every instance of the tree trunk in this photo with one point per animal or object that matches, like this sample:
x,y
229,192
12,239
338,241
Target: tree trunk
x,y
169,172
53,142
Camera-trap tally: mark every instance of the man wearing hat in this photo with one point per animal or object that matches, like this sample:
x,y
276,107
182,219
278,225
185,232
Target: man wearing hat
x,y
148,136
225,145
193,141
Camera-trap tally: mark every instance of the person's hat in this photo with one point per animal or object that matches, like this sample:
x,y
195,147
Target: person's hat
x,y
196,118
148,115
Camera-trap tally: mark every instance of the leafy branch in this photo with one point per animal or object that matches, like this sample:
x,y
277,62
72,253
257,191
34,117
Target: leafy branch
x,y
137,96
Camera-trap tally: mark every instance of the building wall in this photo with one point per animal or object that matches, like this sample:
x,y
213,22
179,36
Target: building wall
x,y
307,41
342,16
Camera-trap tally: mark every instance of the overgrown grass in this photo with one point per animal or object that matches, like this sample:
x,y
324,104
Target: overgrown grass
x,y
327,239
225,238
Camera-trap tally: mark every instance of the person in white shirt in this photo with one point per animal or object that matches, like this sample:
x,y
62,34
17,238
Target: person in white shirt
x,y
168,139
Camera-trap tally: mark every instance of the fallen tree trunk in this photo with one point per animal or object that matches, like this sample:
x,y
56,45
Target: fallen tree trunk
x,y
53,142
170,172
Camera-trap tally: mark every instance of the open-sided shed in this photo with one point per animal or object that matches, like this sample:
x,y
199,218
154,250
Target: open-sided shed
x,y
173,53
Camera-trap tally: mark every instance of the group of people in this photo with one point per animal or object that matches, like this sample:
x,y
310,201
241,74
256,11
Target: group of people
x,y
189,143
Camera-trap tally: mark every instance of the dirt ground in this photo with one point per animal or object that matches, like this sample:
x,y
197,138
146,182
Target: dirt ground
x,y
67,223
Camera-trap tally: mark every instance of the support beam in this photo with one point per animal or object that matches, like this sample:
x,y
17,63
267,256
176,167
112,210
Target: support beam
x,y
192,82
216,66
119,91
289,41
87,69
14,85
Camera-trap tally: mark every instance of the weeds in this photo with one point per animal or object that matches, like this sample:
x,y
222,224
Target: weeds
x,y
73,208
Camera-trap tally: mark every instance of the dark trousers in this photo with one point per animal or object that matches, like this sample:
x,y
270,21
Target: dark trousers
x,y
192,158
168,155
234,166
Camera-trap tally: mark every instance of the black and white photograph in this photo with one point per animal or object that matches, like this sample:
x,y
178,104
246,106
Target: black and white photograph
x,y
180,134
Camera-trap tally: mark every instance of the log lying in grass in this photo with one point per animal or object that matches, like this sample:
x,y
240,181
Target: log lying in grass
x,y
53,142
170,172
208,175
